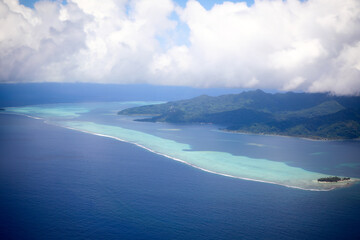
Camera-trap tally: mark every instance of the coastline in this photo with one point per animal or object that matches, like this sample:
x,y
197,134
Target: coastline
x,y
309,138
289,136
334,186
194,166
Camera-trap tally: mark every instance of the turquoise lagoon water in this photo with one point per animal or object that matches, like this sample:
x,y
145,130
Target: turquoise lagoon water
x,y
257,158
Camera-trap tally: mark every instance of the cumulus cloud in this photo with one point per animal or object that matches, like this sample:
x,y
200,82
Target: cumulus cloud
x,y
288,45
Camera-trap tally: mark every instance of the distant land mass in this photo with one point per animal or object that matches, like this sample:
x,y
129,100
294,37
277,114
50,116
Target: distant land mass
x,y
309,115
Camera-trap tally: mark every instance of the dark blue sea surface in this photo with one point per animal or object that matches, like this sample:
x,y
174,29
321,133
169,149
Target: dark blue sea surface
x,y
57,183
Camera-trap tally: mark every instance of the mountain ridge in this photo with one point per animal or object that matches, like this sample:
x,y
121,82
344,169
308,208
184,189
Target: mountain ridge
x,y
310,115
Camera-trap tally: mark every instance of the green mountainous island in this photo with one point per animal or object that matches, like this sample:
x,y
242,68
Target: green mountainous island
x,y
309,115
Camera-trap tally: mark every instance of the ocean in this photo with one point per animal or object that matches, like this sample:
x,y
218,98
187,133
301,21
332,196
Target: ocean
x,y
59,183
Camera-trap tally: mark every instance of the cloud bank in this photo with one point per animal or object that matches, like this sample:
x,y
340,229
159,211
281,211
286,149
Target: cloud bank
x,y
311,46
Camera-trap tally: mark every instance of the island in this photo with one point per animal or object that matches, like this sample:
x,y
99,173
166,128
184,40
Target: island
x,y
333,179
309,115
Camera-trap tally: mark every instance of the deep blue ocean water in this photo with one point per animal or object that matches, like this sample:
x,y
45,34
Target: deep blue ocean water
x,y
56,183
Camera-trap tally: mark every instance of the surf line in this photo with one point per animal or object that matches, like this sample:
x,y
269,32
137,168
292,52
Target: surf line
x,y
23,114
173,158
192,165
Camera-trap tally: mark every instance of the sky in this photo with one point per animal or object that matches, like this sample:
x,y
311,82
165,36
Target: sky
x,y
288,45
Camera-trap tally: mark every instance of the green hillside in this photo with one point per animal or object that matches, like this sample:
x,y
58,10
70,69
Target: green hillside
x,y
319,116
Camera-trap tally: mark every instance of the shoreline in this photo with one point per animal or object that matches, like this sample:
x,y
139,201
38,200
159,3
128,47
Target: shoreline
x,y
317,139
349,183
289,136
192,165
189,164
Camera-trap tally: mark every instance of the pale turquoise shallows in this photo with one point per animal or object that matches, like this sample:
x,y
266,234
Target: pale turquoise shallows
x,y
49,112
71,110
217,162
222,163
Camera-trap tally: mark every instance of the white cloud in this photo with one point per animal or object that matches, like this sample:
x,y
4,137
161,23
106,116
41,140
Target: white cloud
x,y
287,45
